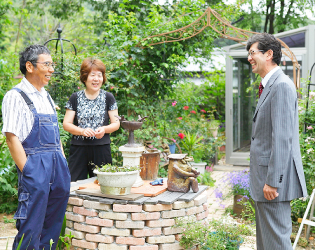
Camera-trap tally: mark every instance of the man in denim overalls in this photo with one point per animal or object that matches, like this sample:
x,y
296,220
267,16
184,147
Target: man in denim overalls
x,y
30,125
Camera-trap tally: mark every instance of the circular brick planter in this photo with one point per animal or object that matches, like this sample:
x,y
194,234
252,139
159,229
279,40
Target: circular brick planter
x,y
97,224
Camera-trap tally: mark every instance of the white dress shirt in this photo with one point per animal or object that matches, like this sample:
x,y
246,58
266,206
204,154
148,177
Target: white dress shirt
x,y
17,117
267,77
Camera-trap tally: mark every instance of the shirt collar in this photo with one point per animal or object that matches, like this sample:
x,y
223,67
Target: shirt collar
x,y
267,77
29,88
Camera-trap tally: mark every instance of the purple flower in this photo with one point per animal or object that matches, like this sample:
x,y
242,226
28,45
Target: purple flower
x,y
218,193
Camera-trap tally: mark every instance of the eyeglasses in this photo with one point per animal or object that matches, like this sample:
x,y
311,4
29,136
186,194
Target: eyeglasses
x,y
250,53
48,64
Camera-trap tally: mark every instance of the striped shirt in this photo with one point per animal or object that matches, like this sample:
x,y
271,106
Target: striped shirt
x,y
18,119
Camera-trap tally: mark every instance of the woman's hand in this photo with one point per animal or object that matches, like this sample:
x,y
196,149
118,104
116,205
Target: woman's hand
x,y
99,132
88,132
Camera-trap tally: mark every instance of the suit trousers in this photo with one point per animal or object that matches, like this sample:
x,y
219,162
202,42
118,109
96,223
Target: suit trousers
x,y
273,225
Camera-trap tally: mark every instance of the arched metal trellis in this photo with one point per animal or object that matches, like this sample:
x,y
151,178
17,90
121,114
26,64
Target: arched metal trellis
x,y
210,18
60,40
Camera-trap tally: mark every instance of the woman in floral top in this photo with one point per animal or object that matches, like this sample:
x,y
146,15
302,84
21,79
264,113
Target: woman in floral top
x,y
87,119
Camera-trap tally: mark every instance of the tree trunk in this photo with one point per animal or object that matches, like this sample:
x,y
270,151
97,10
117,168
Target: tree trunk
x,y
272,17
268,3
20,24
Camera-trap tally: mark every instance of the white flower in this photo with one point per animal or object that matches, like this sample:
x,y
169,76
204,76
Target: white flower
x,y
309,150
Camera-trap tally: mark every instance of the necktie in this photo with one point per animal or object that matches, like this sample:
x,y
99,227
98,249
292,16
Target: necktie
x,y
261,88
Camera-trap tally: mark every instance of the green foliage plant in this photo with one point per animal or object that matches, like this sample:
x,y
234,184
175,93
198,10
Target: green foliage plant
x,y
214,234
8,179
7,220
113,168
206,179
192,143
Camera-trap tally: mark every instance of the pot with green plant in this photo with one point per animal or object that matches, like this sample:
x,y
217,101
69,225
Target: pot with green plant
x,y
238,181
116,180
194,147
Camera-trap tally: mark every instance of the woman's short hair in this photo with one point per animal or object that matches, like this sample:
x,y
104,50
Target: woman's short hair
x,y
90,64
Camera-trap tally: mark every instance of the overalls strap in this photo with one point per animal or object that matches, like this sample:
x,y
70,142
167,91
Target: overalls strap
x,y
51,103
28,101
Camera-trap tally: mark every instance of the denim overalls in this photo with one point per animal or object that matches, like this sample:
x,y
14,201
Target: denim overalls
x,y
44,184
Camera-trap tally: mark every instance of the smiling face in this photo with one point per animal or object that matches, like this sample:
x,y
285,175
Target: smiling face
x,y
94,81
40,74
258,60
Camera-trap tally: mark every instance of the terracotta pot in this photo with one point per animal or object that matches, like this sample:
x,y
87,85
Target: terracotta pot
x,y
237,206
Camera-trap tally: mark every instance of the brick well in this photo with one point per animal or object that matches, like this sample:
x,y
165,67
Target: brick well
x,y
97,224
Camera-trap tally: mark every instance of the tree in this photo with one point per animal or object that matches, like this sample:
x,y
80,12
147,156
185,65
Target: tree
x,y
274,16
5,6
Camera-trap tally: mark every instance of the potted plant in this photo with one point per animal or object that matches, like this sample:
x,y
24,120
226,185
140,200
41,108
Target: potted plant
x,y
116,180
194,147
238,181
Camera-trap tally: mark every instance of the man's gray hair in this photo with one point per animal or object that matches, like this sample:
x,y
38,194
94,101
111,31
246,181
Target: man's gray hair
x,y
30,54
267,42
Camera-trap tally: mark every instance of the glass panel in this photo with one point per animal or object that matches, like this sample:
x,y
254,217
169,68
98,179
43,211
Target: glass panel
x,y
244,104
294,41
245,98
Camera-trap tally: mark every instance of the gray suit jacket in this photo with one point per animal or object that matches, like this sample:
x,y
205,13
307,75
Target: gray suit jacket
x,y
275,157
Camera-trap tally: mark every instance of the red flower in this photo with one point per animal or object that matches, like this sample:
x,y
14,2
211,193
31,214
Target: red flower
x,y
193,111
186,107
203,111
179,118
181,135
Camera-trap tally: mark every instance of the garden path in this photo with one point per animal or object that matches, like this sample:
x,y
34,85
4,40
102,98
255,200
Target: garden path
x,y
217,209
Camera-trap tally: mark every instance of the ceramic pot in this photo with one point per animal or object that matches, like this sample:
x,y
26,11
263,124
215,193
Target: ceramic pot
x,y
118,183
200,166
172,148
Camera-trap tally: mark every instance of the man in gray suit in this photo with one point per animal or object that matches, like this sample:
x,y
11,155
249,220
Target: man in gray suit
x,y
276,171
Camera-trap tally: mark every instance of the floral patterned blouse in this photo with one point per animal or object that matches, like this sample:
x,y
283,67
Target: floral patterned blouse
x,y
91,114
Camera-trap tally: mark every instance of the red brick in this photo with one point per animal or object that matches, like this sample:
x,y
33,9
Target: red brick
x,y
75,201
83,211
75,217
157,207
146,232
99,238
87,228
174,246
96,205
130,224
99,222
113,246
173,213
172,230
205,206
160,223
200,216
130,241
147,247
194,210
201,199
178,237
146,216
127,208
84,244
160,239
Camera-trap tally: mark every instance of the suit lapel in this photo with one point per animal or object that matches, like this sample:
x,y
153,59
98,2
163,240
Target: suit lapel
x,y
266,90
